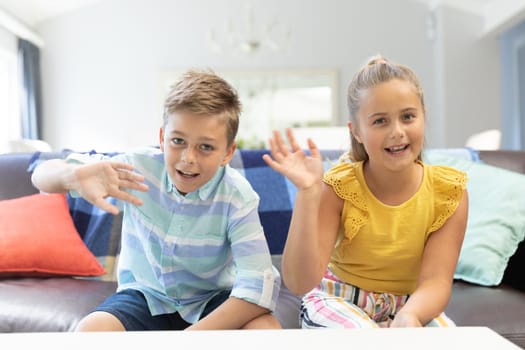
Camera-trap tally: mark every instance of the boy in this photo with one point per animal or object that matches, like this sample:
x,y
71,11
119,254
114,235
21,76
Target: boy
x,y
193,254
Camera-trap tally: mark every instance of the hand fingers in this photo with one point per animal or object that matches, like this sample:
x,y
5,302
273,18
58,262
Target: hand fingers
x,y
106,206
314,151
272,163
116,193
125,196
131,180
133,185
280,144
121,166
275,147
125,172
291,138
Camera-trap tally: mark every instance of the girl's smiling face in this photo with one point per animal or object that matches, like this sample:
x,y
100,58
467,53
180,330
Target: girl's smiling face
x,y
391,124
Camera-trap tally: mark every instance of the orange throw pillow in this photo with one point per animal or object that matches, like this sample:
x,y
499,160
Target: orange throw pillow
x,y
38,238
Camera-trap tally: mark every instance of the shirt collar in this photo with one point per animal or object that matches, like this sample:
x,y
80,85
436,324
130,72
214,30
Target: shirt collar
x,y
203,192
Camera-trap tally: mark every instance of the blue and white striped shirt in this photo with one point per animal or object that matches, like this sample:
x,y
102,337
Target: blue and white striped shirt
x,y
181,251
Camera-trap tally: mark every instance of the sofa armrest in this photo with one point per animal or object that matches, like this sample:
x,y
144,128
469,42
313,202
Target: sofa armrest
x,y
16,180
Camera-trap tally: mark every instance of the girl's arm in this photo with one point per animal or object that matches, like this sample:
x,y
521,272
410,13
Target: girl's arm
x,y
439,262
311,238
313,228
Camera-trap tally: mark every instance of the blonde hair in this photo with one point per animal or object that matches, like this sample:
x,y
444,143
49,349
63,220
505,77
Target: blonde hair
x,y
205,93
376,71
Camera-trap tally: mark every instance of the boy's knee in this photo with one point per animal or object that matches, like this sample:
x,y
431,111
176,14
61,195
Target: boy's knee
x,y
99,321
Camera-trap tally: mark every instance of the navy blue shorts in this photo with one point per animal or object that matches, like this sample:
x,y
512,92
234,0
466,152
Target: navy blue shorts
x,y
131,308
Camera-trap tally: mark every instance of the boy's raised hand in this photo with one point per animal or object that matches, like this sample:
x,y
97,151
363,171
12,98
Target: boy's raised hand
x,y
303,170
99,180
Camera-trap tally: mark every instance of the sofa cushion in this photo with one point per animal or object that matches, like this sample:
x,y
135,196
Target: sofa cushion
x,y
277,193
496,219
48,304
501,309
38,238
100,231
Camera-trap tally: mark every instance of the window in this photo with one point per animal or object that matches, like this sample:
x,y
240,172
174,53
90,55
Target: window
x,y
10,127
513,87
276,99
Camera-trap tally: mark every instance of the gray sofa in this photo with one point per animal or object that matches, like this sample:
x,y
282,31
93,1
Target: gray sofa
x,y
44,304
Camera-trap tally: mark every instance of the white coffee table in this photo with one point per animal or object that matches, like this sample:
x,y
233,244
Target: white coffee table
x,y
290,339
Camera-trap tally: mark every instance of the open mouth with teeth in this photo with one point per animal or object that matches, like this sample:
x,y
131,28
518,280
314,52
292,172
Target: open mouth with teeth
x,y
396,149
187,175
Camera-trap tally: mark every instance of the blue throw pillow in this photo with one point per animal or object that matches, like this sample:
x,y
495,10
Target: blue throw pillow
x,y
496,219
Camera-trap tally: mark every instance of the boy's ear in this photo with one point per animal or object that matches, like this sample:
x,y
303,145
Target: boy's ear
x,y
161,139
353,132
229,154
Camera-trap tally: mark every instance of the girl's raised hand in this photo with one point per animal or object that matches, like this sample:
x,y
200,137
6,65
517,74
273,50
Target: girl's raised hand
x,y
302,169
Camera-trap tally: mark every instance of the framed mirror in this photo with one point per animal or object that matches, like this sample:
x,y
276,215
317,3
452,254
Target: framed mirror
x,y
277,99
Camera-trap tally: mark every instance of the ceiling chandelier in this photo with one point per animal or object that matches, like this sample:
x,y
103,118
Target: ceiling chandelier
x,y
248,37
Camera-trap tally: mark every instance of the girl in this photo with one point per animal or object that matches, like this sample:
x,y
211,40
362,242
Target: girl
x,y
375,241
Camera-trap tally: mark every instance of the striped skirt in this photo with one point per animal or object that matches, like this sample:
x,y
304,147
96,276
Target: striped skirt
x,y
336,304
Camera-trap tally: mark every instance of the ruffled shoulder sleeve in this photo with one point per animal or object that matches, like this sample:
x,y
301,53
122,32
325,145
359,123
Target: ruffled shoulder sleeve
x,y
344,180
449,185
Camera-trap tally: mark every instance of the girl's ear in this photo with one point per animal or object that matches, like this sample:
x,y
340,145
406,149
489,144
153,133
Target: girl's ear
x,y
354,132
161,139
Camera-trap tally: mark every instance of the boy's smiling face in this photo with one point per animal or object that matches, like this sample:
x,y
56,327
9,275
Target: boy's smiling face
x,y
194,147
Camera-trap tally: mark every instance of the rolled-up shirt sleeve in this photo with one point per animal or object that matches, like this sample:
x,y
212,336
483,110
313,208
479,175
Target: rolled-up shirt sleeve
x,y
257,280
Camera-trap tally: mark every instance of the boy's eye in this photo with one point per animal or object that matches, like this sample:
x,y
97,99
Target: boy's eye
x,y
378,121
207,148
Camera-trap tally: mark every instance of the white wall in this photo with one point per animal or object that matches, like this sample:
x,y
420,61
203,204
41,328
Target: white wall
x,y
8,41
101,65
469,77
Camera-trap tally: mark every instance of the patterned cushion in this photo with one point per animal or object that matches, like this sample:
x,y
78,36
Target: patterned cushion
x,y
276,193
101,231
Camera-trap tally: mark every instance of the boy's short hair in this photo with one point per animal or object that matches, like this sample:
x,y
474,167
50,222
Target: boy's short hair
x,y
205,93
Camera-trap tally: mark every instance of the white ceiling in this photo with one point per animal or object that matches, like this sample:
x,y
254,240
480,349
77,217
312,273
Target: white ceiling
x,y
474,6
23,16
31,12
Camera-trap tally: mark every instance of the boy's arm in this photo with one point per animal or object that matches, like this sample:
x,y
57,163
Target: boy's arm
x,y
257,282
93,181
234,313
53,176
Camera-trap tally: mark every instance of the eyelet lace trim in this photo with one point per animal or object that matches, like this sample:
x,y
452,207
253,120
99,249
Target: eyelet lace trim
x,y
343,180
449,184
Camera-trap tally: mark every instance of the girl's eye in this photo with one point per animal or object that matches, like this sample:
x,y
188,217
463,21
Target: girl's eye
x,y
177,141
409,116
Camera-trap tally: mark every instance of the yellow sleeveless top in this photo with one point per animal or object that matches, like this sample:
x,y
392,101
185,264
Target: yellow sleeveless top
x,y
380,247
